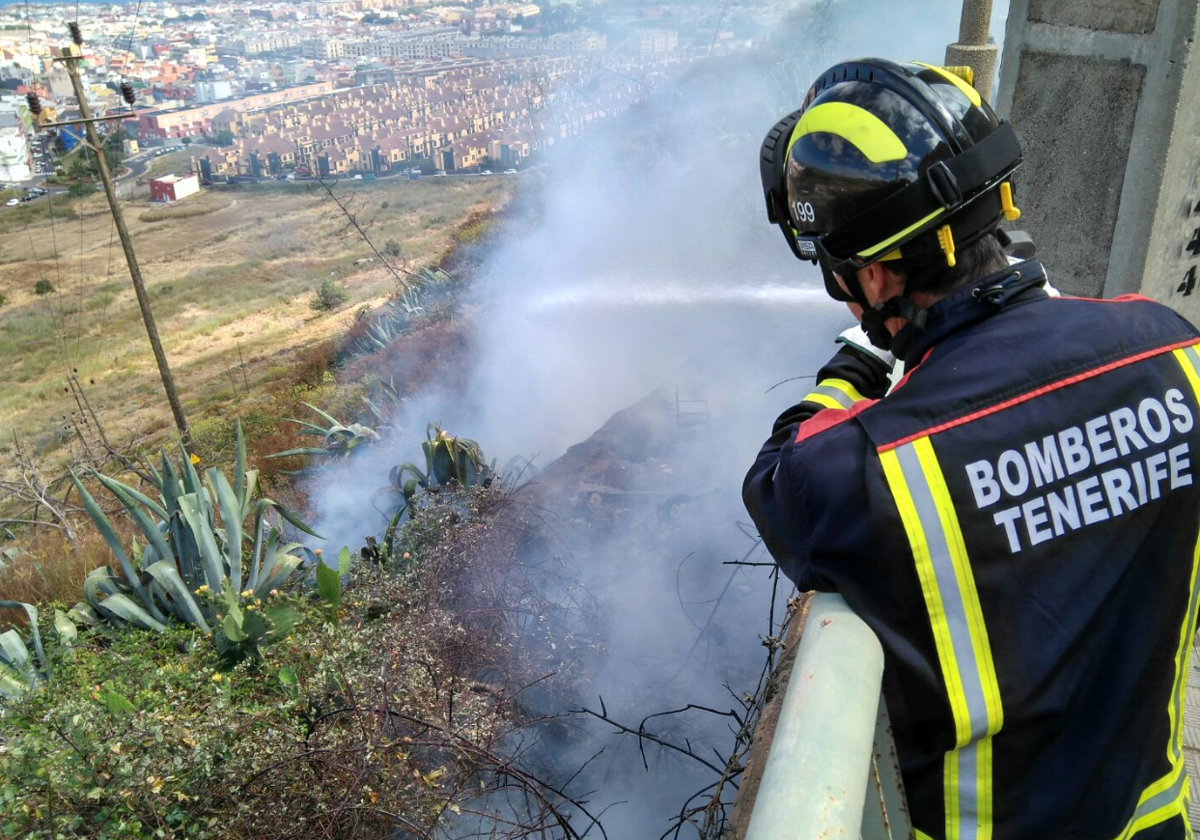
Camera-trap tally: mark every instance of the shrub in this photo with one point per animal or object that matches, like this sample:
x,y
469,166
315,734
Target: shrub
x,y
407,710
194,570
385,205
3,299
329,295
80,189
43,287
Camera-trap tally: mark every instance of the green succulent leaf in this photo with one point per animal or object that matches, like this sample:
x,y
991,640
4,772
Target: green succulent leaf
x,y
302,450
12,687
111,539
68,634
239,471
122,608
13,652
31,611
295,520
283,620
117,704
231,521
211,557
120,487
168,578
232,627
329,584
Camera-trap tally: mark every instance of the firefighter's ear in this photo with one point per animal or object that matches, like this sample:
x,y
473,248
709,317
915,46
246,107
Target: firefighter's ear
x,y
879,283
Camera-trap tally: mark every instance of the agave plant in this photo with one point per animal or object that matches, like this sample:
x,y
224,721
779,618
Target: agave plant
x,y
20,669
449,462
384,403
396,317
340,441
186,548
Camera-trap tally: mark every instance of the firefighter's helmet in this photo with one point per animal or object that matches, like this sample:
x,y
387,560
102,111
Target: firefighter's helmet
x,y
888,161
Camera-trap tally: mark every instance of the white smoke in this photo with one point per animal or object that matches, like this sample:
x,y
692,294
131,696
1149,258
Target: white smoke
x,y
653,266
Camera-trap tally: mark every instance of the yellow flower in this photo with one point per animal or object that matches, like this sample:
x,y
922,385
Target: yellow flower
x,y
249,593
194,459
216,678
249,607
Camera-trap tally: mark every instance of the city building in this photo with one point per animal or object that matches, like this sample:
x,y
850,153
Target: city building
x,y
15,160
174,187
190,121
650,41
265,43
211,91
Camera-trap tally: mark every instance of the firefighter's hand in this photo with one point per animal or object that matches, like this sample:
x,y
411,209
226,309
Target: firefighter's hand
x,y
856,340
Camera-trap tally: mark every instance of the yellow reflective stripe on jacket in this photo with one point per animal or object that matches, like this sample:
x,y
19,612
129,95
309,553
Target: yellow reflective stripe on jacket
x,y
834,393
1168,797
960,634
1189,361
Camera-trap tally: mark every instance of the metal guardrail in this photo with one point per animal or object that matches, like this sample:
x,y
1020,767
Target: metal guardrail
x,y
832,770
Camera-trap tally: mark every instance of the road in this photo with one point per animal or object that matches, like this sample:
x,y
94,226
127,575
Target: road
x,y
133,167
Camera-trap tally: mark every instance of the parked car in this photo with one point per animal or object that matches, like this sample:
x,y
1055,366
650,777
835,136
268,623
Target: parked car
x,y
12,202
510,172
439,174
486,172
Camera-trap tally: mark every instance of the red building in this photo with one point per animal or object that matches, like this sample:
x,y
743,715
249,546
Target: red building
x,y
174,187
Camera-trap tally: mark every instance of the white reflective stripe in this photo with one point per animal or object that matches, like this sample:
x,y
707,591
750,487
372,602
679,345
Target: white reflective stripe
x,y
824,400
1168,800
947,582
842,399
968,770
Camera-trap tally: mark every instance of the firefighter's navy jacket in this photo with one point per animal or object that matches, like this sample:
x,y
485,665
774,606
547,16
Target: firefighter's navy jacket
x,y
1018,522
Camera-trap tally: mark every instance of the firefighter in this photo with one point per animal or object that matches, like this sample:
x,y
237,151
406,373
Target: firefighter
x,y
1018,517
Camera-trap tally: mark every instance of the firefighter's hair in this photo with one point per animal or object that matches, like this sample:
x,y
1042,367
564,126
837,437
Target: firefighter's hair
x,y
979,259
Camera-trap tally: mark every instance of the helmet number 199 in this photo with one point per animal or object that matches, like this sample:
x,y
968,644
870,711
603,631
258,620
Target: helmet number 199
x,y
803,211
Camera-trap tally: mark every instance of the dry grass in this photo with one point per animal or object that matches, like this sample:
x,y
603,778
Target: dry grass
x,y
48,571
230,290
186,211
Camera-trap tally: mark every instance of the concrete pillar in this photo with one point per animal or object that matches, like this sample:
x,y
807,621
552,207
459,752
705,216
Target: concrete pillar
x,y
1105,95
973,49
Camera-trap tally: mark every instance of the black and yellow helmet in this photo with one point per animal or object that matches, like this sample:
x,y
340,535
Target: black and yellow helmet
x,y
888,161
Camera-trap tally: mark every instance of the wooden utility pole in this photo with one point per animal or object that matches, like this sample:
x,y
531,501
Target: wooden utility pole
x,y
71,57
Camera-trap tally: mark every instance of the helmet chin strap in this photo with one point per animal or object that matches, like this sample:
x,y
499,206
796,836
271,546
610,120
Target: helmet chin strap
x,y
875,320
875,317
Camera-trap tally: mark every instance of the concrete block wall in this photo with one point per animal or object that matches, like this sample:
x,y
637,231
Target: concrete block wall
x,y
1105,95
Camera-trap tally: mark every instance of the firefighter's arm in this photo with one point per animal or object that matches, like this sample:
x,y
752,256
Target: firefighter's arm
x,y
857,372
